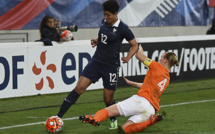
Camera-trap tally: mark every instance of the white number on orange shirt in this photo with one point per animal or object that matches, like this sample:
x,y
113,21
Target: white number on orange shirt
x,y
162,84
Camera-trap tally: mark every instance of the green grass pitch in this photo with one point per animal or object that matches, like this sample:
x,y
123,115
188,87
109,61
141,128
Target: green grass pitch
x,y
189,108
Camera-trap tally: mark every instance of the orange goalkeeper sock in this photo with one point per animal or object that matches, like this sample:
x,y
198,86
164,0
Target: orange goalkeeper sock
x,y
137,127
101,115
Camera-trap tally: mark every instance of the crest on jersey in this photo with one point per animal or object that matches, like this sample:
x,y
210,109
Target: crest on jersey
x,y
114,30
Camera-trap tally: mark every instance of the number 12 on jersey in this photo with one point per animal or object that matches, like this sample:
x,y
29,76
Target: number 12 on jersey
x,y
104,38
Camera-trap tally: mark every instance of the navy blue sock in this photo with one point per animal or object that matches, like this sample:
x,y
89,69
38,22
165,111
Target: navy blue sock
x,y
68,102
107,105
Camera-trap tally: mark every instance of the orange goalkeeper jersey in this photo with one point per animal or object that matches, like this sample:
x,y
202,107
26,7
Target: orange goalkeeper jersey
x,y
155,82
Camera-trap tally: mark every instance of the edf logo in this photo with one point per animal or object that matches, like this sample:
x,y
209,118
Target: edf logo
x,y
37,71
57,67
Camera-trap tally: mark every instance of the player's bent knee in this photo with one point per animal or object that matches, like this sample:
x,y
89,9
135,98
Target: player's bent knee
x,y
108,101
80,89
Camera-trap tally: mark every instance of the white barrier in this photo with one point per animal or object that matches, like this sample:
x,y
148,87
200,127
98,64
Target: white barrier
x,y
56,68
31,68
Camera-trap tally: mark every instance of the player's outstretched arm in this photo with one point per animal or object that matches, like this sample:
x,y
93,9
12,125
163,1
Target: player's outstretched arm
x,y
133,50
132,83
140,55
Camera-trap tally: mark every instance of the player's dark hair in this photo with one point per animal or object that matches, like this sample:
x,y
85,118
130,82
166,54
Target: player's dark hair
x,y
172,58
43,22
111,6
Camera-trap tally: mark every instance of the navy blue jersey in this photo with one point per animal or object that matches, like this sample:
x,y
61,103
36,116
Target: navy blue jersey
x,y
109,42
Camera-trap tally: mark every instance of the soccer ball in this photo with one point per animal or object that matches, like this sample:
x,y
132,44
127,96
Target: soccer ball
x,y
67,35
54,124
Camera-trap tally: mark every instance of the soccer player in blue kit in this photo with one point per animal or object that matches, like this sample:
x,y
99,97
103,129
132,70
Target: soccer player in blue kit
x,y
105,62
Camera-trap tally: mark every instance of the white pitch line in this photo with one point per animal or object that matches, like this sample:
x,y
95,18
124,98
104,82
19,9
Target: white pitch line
x,y
22,125
31,124
184,103
73,118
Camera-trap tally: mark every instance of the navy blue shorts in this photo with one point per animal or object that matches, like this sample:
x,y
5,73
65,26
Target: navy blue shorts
x,y
109,74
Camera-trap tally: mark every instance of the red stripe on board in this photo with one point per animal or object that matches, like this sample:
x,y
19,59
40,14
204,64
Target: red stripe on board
x,y
211,3
21,14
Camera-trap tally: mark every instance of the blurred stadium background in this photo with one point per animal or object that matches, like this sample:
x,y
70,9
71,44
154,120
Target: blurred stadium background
x,y
170,25
20,19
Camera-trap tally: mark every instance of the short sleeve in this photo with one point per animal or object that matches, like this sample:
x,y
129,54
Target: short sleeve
x,y
127,33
